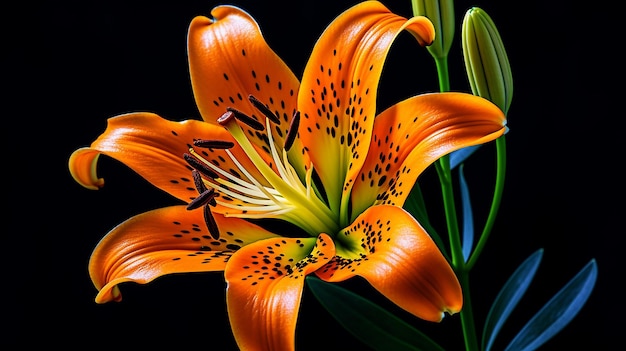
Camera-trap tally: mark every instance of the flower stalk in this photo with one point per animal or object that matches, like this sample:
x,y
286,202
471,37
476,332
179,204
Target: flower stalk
x,y
489,74
490,77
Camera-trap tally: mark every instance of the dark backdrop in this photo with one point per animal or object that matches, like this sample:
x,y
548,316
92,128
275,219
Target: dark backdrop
x,y
71,65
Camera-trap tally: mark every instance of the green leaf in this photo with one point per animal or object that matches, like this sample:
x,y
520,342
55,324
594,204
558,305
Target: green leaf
x,y
416,206
468,216
459,156
509,296
558,312
367,321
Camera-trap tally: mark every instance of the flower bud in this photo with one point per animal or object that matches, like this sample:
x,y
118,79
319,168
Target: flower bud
x,y
486,62
441,13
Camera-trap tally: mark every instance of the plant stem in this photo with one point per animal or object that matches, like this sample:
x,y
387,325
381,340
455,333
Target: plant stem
x,y
467,313
458,262
442,73
495,203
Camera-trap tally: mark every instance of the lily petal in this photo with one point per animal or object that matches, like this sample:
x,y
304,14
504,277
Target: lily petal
x,y
337,98
265,282
154,147
228,60
414,133
389,248
165,241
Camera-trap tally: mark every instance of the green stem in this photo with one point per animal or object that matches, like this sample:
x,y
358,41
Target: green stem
x,y
458,262
495,203
445,179
442,73
467,314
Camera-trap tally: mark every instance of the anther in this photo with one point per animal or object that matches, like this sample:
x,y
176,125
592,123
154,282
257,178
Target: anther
x,y
263,109
225,118
210,223
251,122
213,144
201,167
206,197
293,130
197,180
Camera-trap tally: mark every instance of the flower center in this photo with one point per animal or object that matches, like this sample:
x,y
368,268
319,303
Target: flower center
x,y
263,192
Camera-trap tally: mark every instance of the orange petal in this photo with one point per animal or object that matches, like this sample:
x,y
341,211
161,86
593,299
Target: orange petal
x,y
165,241
390,249
265,282
83,167
153,147
337,98
229,60
414,133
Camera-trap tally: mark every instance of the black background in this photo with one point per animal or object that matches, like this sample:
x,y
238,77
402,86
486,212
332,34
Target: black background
x,y
71,65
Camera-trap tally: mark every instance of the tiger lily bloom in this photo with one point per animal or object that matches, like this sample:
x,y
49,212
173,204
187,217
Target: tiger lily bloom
x,y
310,154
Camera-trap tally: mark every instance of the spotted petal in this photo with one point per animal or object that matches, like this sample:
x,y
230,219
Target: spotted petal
x,y
337,98
265,282
154,147
389,248
412,134
165,241
228,60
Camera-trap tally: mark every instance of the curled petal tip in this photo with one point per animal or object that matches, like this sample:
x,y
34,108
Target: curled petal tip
x,y
422,29
109,292
83,165
441,13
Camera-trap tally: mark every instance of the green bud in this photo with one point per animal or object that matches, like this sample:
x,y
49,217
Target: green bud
x,y
486,62
441,13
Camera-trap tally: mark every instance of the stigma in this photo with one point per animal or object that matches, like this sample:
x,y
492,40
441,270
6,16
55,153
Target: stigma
x,y
273,189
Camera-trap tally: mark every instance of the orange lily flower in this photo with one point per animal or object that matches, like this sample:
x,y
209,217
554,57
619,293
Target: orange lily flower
x,y
310,154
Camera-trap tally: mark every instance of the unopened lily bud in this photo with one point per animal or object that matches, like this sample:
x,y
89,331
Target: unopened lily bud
x,y
486,62
441,13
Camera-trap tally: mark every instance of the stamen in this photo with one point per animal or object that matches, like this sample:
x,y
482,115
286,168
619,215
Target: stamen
x,y
315,216
201,167
225,117
251,122
206,197
213,144
293,130
252,179
197,180
264,110
242,189
287,173
227,179
210,223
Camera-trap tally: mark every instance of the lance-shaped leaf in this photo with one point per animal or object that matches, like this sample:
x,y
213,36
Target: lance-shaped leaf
x,y
468,216
459,156
368,322
509,296
558,312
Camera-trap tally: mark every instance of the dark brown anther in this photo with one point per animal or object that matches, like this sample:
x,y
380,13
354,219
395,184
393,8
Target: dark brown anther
x,y
264,109
197,180
293,130
201,167
210,223
249,121
203,199
213,144
225,118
